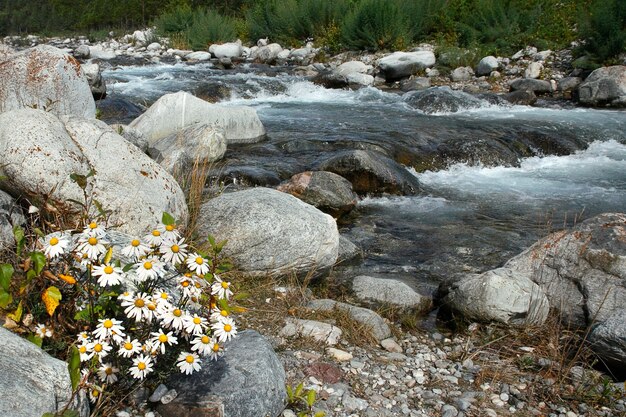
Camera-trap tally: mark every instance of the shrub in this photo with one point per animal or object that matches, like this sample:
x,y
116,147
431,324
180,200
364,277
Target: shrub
x,y
376,24
604,29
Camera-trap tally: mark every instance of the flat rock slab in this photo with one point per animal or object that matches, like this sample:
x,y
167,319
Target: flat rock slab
x,y
387,291
322,332
380,330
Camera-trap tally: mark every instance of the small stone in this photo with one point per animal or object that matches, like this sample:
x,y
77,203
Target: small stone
x,y
448,411
339,355
122,414
504,397
158,393
488,412
571,414
390,345
169,396
289,413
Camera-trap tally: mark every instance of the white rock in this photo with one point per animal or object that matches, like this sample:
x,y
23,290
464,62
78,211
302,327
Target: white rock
x,y
533,70
351,67
338,354
322,332
386,291
284,54
267,54
154,46
358,79
227,50
198,56
403,64
486,65
390,345
98,52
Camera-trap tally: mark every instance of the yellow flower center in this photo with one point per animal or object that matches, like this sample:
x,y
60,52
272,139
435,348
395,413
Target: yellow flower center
x,y
189,359
162,338
177,313
185,284
82,349
156,233
108,269
175,248
97,348
197,320
205,339
151,307
147,265
188,274
227,328
224,313
139,303
128,346
225,285
93,225
169,227
95,393
108,371
199,260
107,324
216,347
135,243
197,284
54,241
141,366
164,295
93,241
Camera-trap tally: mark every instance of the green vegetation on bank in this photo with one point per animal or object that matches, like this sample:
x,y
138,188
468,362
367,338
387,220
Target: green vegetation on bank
x,y
488,26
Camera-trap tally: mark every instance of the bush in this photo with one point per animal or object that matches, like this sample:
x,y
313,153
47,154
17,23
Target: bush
x,y
604,30
377,24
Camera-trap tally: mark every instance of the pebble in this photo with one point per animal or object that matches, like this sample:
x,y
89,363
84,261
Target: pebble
x,y
158,393
390,345
339,355
169,396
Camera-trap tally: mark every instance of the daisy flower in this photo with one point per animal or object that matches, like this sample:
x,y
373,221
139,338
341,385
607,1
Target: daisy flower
x,y
168,231
85,352
154,238
142,366
195,325
197,264
100,348
135,249
221,289
55,246
83,259
224,330
188,363
174,319
92,246
160,339
94,229
42,331
107,373
216,350
137,307
202,344
173,251
94,394
129,347
150,268
107,274
187,284
219,315
107,328
83,338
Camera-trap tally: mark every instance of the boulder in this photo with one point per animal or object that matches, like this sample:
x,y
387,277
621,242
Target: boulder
x,y
371,172
178,152
95,80
521,97
153,47
131,135
352,67
118,109
319,331
441,100
175,111
327,191
248,381
270,232
5,51
404,64
348,251
608,340
45,78
568,84
232,50
368,318
415,84
82,52
267,54
528,84
10,215
98,52
462,74
487,65
41,151
357,80
533,70
499,295
388,291
33,382
198,56
604,87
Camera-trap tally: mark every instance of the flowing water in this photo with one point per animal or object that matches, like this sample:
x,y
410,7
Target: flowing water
x,y
495,178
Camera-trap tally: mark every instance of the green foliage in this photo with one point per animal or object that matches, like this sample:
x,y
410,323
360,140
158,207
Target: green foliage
x,y
604,29
303,401
377,24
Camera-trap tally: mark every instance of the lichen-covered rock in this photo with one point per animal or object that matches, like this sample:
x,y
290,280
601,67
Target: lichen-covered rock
x,y
45,78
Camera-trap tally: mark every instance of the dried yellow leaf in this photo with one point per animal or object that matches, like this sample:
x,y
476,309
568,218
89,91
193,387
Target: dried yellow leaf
x,y
51,298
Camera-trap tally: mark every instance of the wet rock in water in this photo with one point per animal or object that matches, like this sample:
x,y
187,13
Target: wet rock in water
x,y
232,50
528,84
327,191
400,65
270,232
82,52
33,382
173,112
118,110
247,176
143,190
441,100
198,56
96,82
372,172
348,251
568,83
388,292
213,93
45,78
487,65
10,215
248,381
330,79
178,152
604,87
351,73
415,84
521,97
379,328
462,74
608,340
267,54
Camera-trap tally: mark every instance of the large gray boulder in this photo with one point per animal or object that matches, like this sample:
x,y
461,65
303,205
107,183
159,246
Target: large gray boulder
x,y
41,151
267,54
371,172
96,82
45,78
174,112
388,292
608,339
327,191
441,100
248,381
369,319
32,382
487,65
499,295
604,87
404,64
270,232
530,84
178,152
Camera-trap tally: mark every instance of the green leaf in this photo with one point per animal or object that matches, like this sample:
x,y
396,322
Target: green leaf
x,y
16,316
240,296
320,414
48,415
299,389
71,413
310,398
5,298
211,240
80,180
127,267
39,261
30,274
290,393
82,314
35,339
6,272
220,246
20,241
39,232
167,219
74,366
76,202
